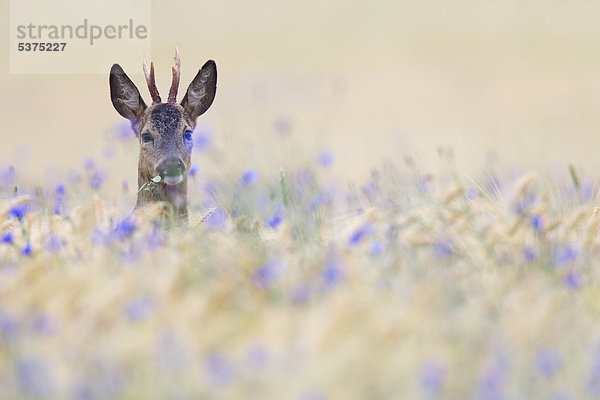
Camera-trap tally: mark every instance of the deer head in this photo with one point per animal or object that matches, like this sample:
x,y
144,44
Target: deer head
x,y
164,130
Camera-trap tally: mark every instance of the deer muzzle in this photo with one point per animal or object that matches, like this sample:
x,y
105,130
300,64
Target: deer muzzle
x,y
171,170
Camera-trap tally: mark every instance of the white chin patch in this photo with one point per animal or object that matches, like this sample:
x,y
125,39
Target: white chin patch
x,y
173,180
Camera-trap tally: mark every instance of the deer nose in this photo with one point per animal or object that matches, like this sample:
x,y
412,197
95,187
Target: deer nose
x,y
171,167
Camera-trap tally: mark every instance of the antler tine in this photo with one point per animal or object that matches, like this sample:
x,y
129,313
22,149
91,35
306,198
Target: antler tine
x,y
149,73
176,74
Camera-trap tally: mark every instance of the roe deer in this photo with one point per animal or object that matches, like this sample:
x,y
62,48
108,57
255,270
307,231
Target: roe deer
x,y
164,130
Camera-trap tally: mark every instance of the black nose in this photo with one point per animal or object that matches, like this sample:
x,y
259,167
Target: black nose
x,y
171,167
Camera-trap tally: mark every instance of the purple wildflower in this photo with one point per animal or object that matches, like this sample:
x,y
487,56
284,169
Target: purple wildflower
x,y
299,294
54,243
18,210
156,238
89,164
248,176
491,381
217,218
443,248
96,179
171,353
274,219
34,378
547,362
218,369
124,228
109,152
257,356
332,273
432,376
529,253
324,158
536,222
123,131
472,193
59,189
594,377
375,248
98,237
202,137
267,273
193,170
42,323
8,325
26,249
139,308
572,280
564,254
283,125
360,233
7,237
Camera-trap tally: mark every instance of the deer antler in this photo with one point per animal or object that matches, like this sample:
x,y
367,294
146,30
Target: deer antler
x,y
175,84
151,82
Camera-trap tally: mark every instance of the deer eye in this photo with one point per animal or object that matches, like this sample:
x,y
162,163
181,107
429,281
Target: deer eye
x,y
147,138
187,135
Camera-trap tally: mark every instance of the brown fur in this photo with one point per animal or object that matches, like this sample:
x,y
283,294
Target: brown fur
x,y
166,123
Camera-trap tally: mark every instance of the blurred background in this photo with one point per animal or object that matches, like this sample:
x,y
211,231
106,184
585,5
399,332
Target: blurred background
x,y
516,80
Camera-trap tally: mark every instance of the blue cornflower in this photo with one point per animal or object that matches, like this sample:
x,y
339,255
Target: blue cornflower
x,y
96,179
124,229
370,188
375,248
300,294
218,369
54,243
283,125
529,253
7,237
89,163
443,248
332,272
267,273
547,362
275,219
572,280
109,152
564,254
472,193
171,352
155,238
360,233
432,376
217,218
44,324
123,131
27,249
18,210
257,356
9,325
202,137
324,158
34,378
193,170
491,381
594,377
139,308
536,222
248,176
59,189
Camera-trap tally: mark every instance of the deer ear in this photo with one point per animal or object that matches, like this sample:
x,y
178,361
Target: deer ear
x,y
201,92
125,95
